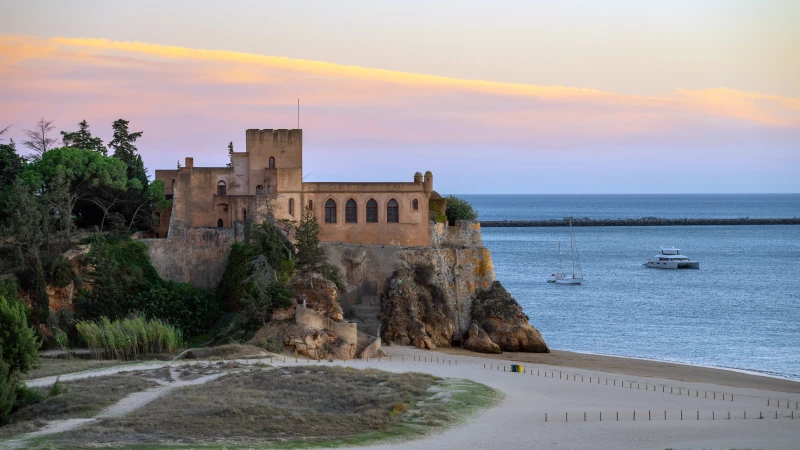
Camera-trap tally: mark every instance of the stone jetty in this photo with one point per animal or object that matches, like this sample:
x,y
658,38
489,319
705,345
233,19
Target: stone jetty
x,y
641,222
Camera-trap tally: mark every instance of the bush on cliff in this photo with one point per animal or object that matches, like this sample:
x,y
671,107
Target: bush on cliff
x,y
459,209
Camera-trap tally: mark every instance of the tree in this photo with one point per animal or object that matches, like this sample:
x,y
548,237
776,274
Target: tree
x,y
309,252
38,139
152,198
82,170
230,154
125,149
26,224
3,131
83,139
459,209
11,164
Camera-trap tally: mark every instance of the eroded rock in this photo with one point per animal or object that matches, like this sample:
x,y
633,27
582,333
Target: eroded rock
x,y
320,294
478,341
499,314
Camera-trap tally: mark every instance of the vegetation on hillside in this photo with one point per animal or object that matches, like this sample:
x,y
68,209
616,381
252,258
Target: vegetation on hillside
x,y
18,354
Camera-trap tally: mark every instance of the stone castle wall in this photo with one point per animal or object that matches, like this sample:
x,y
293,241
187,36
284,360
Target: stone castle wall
x,y
193,255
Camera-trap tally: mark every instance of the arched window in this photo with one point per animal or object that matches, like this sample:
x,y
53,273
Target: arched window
x,y
219,223
330,211
269,190
291,206
259,189
350,211
244,214
415,205
311,205
271,162
372,211
392,213
221,188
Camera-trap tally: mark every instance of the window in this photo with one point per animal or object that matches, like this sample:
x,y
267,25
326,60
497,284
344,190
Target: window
x,y
221,188
173,186
244,214
219,223
269,190
392,215
311,205
415,205
350,211
271,162
291,206
372,211
330,211
259,189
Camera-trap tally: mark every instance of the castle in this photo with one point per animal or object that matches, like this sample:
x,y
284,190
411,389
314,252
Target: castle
x,y
266,181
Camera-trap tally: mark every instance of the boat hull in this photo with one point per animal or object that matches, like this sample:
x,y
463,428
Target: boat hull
x,y
569,281
673,264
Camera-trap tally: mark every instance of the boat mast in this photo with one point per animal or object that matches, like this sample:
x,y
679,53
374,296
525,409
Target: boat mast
x,y
572,247
560,270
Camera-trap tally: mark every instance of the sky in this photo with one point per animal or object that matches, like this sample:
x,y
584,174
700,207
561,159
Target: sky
x,y
493,97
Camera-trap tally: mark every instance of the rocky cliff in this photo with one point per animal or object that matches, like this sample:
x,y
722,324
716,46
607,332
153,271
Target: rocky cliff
x,y
427,294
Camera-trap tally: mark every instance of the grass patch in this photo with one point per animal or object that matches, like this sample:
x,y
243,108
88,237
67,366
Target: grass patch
x,y
298,407
59,366
77,399
229,351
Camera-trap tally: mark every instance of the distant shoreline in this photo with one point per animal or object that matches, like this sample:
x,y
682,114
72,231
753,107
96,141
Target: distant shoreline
x,y
641,222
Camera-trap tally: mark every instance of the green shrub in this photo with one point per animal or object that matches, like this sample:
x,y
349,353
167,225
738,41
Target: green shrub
x,y
19,347
7,393
270,344
459,209
26,396
334,275
59,271
191,309
130,337
61,339
57,388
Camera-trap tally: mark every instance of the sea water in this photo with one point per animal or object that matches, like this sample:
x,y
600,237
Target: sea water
x,y
741,310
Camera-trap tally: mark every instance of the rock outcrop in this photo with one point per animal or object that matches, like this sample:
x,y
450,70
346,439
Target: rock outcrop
x,y
499,314
414,310
478,341
320,294
311,343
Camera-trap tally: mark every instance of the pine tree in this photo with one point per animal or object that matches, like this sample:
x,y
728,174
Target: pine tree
x,y
125,149
309,252
230,154
83,139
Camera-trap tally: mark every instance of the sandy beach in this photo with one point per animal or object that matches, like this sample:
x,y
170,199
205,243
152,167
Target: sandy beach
x,y
565,385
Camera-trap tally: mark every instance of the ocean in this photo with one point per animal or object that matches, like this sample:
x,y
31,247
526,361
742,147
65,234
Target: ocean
x,y
741,310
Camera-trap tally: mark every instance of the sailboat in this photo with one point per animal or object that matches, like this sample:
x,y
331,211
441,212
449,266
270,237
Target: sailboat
x,y
562,277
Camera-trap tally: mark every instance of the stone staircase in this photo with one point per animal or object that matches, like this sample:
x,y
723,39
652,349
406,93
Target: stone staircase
x,y
365,314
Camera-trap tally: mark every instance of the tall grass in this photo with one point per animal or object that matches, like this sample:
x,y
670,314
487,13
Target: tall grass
x,y
129,338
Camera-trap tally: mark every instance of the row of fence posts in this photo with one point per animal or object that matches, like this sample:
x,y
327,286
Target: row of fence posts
x,y
574,378
788,404
650,416
622,383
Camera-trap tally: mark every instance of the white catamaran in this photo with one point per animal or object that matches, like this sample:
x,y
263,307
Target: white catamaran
x,y
561,277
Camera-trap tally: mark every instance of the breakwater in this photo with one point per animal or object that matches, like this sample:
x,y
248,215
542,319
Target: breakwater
x,y
641,222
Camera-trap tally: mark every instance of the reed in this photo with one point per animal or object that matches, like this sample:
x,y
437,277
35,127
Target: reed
x,y
129,338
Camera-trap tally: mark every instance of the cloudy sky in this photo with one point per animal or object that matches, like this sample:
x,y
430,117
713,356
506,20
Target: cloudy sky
x,y
492,97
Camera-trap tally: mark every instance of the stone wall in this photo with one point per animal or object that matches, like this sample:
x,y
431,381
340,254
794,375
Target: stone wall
x,y
193,255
